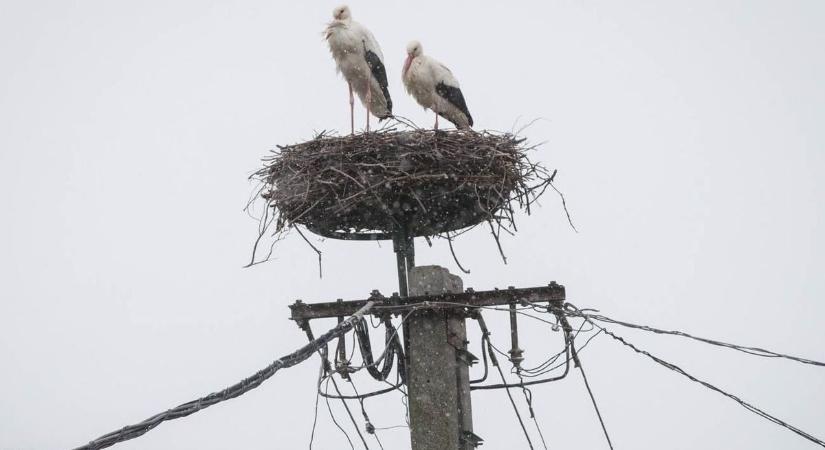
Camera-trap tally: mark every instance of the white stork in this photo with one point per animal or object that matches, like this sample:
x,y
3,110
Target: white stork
x,y
434,87
358,57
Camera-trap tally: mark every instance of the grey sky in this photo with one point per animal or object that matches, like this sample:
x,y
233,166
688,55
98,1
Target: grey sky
x,y
688,138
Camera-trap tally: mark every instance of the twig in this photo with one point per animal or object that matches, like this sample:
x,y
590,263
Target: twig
x,y
455,258
320,270
498,243
564,204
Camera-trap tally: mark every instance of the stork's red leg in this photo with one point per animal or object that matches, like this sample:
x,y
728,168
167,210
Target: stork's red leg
x,y
351,110
369,101
436,121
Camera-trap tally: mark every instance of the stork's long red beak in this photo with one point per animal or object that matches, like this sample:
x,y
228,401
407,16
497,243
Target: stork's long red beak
x,y
407,65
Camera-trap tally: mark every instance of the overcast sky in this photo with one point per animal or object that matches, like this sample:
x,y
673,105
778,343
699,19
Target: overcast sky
x,y
689,141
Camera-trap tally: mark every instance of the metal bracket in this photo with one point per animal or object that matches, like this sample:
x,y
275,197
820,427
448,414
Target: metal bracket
x,y
468,437
466,357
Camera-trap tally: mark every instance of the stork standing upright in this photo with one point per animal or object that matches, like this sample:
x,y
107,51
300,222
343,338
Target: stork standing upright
x,y
358,57
434,87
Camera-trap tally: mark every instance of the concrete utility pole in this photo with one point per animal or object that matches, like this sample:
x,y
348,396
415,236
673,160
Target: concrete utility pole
x,y
438,361
441,416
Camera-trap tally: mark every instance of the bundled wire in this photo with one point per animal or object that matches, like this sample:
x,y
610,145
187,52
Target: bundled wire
x,y
344,368
236,390
394,348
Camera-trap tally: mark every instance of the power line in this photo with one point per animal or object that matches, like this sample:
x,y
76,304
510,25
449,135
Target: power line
x,y
542,369
562,319
236,390
513,402
545,367
595,406
741,402
756,351
506,385
368,423
392,347
494,360
321,372
332,416
349,413
528,398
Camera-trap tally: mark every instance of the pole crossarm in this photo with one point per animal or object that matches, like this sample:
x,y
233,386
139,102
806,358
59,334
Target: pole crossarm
x,y
552,293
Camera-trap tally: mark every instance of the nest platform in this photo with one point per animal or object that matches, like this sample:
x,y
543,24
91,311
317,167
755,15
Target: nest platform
x,y
381,184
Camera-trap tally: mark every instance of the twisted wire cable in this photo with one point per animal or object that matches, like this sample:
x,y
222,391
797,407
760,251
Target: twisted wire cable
x,y
756,351
741,402
236,390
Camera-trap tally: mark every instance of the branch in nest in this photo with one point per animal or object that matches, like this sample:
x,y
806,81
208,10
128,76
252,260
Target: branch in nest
x,y
564,205
320,269
498,242
413,181
455,258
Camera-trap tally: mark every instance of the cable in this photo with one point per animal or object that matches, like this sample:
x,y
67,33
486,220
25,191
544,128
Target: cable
x,y
568,346
391,427
393,345
577,361
349,413
595,406
368,424
528,398
236,390
493,359
741,402
756,351
393,341
314,421
321,371
515,408
542,368
484,359
367,395
332,416
578,352
506,385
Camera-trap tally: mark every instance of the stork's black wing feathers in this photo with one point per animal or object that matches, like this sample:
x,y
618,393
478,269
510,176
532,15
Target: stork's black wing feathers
x,y
380,74
454,96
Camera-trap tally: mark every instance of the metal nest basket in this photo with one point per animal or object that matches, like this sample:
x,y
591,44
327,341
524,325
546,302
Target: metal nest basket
x,y
373,186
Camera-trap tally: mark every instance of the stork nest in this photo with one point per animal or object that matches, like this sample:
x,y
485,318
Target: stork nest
x,y
415,182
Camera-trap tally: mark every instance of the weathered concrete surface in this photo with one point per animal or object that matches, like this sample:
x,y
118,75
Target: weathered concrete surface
x,y
439,389
433,280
